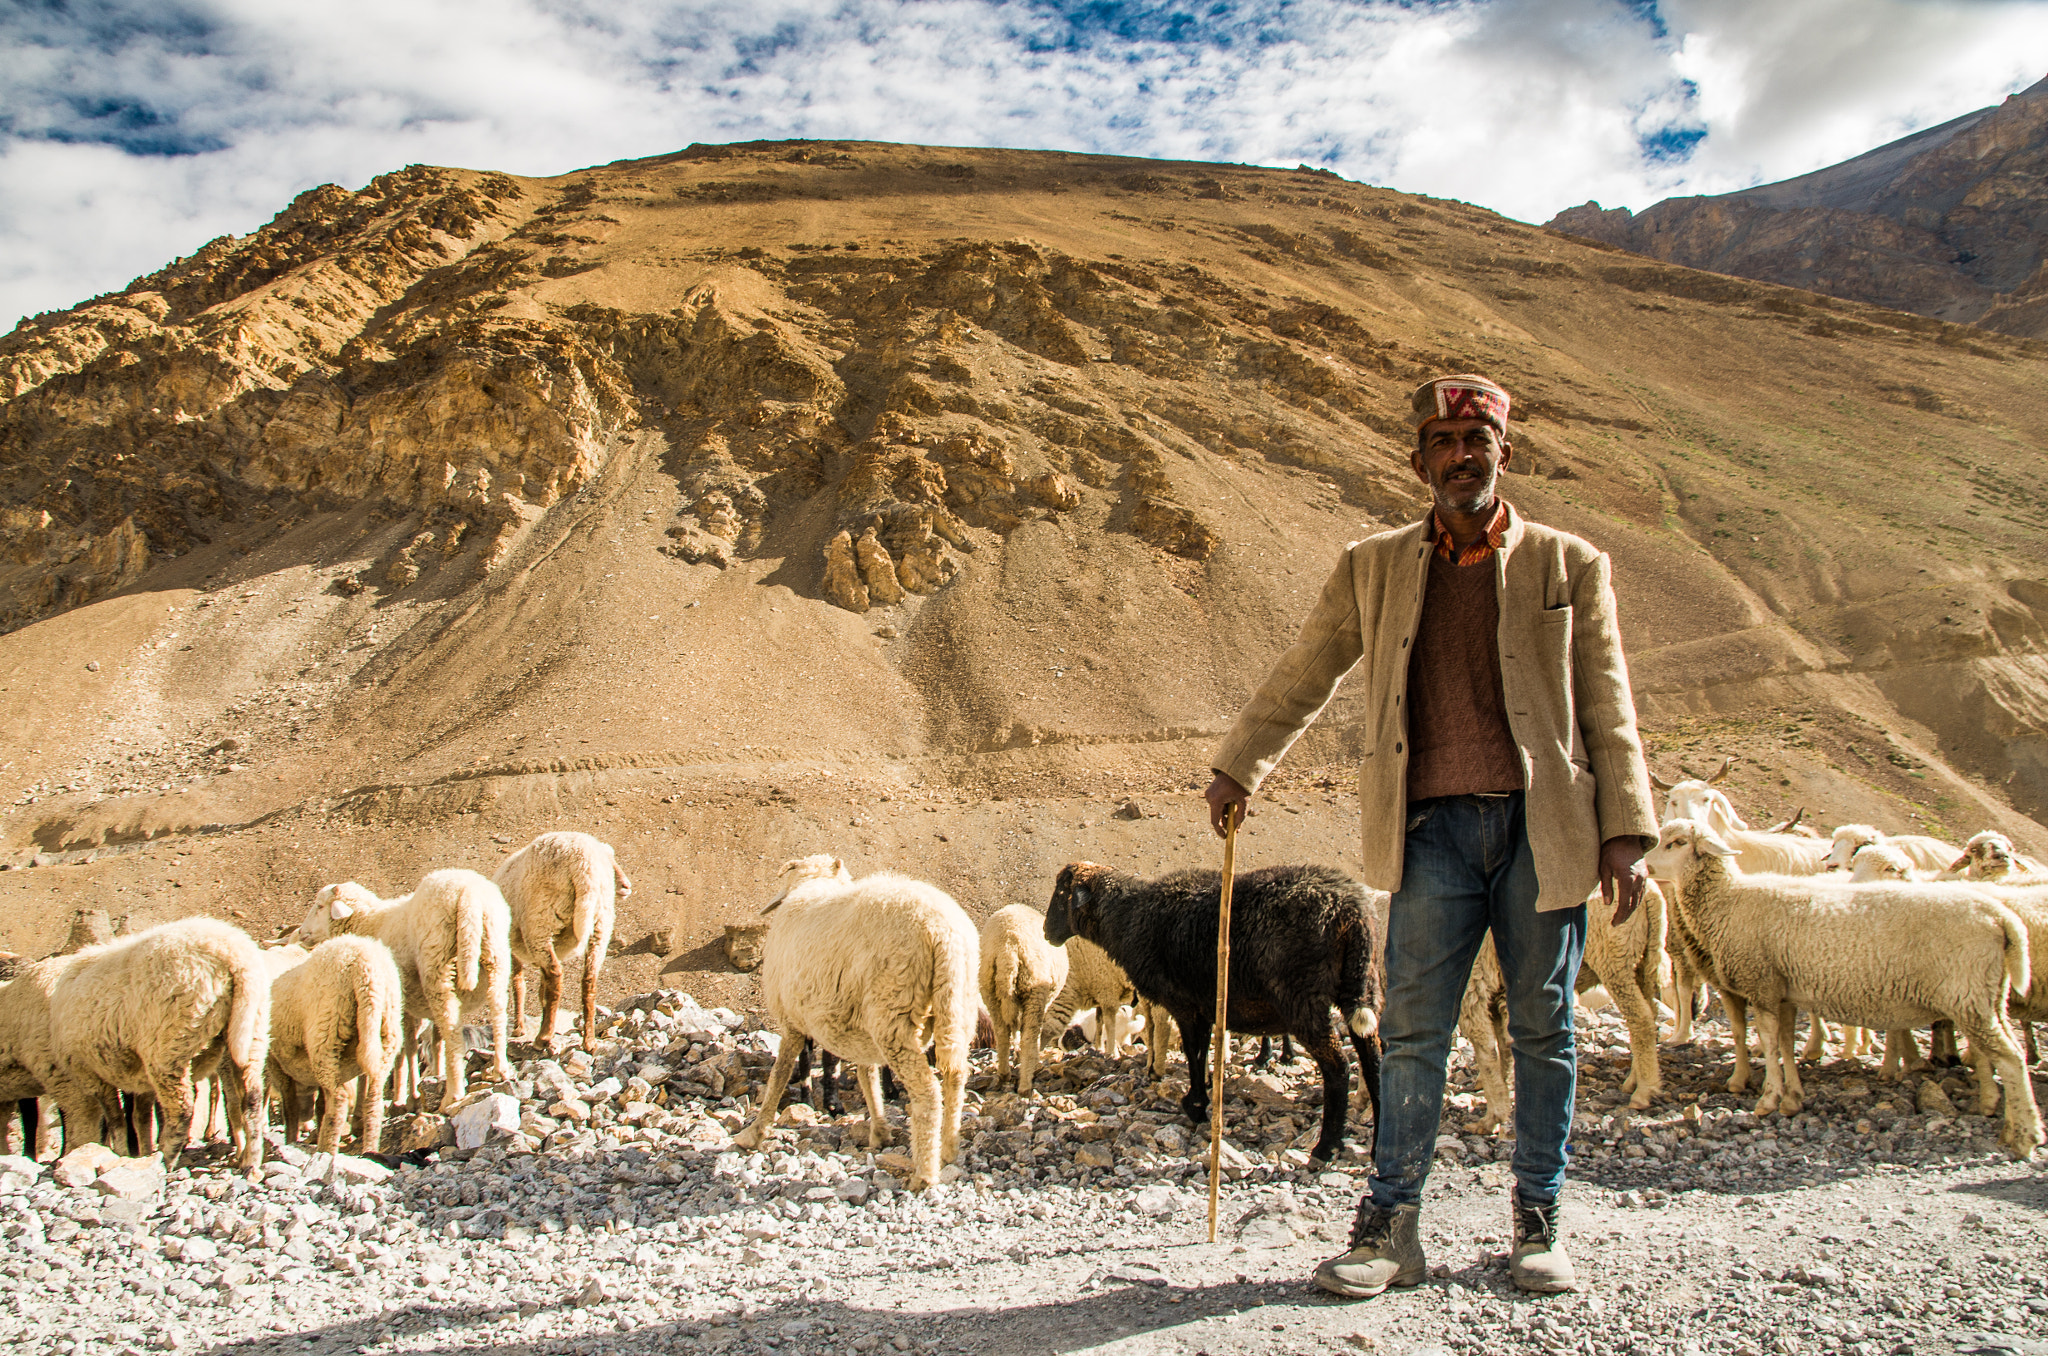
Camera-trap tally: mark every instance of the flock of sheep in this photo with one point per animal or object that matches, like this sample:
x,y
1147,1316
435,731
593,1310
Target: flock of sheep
x,y
159,1023
1874,933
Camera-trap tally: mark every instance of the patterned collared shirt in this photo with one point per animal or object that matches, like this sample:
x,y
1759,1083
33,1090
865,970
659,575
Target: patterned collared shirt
x,y
1489,540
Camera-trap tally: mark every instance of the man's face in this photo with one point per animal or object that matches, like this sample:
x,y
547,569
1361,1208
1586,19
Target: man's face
x,y
1460,459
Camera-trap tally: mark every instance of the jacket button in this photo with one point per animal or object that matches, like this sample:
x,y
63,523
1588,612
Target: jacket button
x,y
1397,748
1404,642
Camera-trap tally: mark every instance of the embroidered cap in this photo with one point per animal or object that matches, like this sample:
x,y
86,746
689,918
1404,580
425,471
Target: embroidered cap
x,y
1464,395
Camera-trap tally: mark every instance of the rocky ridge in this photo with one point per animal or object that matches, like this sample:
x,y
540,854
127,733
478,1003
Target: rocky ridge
x,y
1945,223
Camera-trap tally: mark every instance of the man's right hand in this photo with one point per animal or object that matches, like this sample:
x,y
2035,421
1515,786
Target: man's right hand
x,y
1226,798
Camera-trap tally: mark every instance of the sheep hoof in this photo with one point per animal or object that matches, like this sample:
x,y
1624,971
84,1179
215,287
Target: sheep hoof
x,y
1641,1100
1790,1105
1766,1104
748,1139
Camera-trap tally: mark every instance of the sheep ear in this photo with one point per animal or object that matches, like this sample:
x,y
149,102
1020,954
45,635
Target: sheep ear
x,y
1659,782
339,909
1708,843
1960,862
787,867
838,867
1080,894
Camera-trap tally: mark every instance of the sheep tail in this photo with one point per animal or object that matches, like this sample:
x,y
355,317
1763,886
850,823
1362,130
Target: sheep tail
x,y
248,1029
1360,1018
956,997
2018,969
469,942
621,882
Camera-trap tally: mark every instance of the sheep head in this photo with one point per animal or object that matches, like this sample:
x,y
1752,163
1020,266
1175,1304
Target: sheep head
x,y
1072,911
1698,799
1879,861
1682,845
1987,856
334,905
1848,839
821,866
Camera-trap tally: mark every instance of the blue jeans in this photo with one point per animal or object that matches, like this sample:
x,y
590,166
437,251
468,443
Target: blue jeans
x,y
1468,868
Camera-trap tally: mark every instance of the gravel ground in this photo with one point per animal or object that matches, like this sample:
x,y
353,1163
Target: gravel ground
x,y
615,1219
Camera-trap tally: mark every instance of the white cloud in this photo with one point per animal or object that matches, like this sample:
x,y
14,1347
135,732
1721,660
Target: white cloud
x,y
133,130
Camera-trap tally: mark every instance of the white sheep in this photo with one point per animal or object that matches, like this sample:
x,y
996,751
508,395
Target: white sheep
x,y
1927,854
1628,961
451,940
151,1011
1990,856
1887,956
873,970
1095,981
563,890
1883,861
27,1064
335,1017
1020,974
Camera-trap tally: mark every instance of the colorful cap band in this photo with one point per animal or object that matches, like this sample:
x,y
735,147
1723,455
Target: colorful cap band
x,y
1462,396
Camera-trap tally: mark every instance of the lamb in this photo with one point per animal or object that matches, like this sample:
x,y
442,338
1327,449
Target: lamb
x,y
563,890
1886,956
451,941
1627,960
1989,856
1020,974
151,1011
1301,942
1095,981
27,1064
336,1017
1929,854
873,969
1783,848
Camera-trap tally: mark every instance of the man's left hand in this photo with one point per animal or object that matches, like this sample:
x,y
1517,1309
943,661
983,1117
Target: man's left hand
x,y
1623,875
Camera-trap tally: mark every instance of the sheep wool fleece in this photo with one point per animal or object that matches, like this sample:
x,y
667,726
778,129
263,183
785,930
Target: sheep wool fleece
x,y
1563,677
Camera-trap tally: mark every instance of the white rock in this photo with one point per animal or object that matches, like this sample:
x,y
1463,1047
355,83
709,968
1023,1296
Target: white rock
x,y
492,1116
1158,1201
82,1165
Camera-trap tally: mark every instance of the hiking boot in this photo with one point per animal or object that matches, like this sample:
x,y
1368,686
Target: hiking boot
x,y
1538,1262
1386,1249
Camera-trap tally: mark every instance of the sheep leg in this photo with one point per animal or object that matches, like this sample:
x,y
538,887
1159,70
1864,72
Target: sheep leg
x,y
1768,1035
173,1092
1484,1024
517,986
550,967
1194,1043
1158,1038
1816,1039
1941,1045
1001,1015
593,965
1035,1003
454,1055
771,1099
952,1079
334,1119
869,1077
1265,1055
921,1089
1645,1080
1792,1099
370,1097
1992,1043
1336,1072
1738,1028
142,1129
248,1113
1682,986
1368,1048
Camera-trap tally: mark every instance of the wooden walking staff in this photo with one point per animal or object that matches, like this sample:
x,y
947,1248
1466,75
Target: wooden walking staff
x,y
1222,1016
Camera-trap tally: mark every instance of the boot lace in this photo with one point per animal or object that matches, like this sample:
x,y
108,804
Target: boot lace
x,y
1535,1223
1374,1226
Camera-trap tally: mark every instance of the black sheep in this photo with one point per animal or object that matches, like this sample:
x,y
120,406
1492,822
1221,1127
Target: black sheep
x,y
1300,942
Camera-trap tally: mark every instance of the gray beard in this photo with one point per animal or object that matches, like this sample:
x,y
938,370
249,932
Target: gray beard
x,y
1472,500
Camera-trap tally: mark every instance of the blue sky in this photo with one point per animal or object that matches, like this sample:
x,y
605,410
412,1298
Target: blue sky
x,y
132,131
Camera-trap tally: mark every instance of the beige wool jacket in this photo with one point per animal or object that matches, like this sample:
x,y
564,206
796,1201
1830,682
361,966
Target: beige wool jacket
x,y
1562,673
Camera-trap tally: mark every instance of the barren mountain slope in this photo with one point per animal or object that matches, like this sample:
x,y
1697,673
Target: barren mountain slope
x,y
921,505
1947,222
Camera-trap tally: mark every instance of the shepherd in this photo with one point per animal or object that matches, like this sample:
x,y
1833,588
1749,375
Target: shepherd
x,y
1503,779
